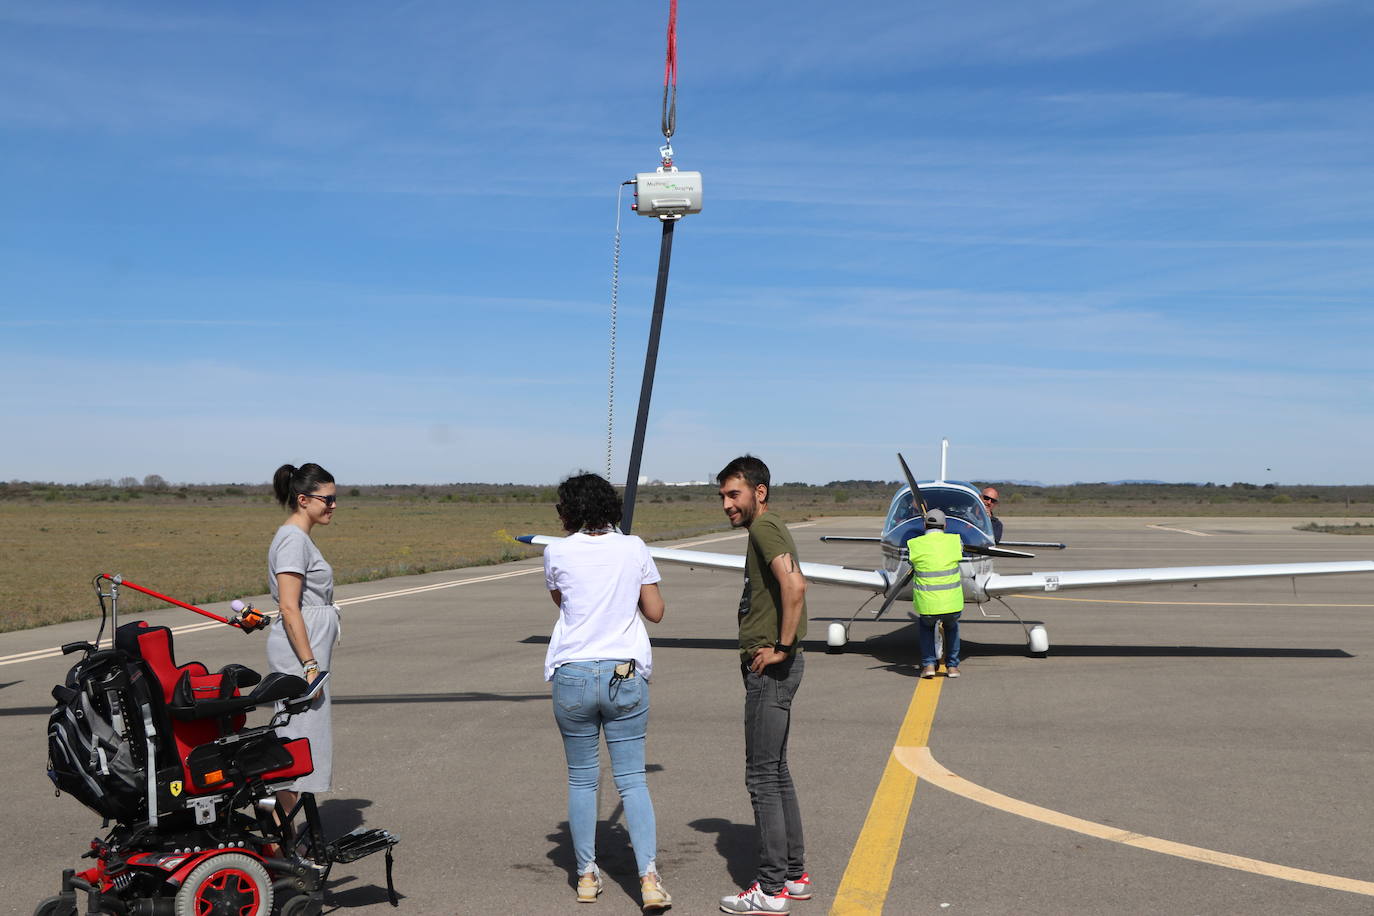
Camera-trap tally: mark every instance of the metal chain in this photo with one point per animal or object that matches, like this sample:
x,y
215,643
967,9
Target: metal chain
x,y
615,296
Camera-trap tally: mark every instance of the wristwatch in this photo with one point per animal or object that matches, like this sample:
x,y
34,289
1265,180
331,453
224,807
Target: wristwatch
x,y
784,647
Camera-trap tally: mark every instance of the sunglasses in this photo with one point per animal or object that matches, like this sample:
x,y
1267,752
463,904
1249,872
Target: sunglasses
x,y
327,500
990,499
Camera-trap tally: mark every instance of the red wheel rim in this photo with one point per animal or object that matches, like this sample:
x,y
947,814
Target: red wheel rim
x,y
229,892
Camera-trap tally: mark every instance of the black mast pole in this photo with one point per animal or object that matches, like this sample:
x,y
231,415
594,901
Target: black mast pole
x,y
646,389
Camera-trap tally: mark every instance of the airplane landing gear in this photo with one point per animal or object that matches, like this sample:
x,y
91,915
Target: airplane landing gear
x,y
836,635
1037,637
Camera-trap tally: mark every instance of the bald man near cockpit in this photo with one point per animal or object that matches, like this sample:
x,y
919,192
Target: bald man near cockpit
x,y
990,498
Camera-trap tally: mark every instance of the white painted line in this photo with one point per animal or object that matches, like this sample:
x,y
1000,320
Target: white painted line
x,y
39,654
420,589
728,537
1200,534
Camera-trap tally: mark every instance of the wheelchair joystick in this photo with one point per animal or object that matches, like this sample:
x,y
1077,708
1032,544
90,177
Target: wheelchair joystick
x,y
247,617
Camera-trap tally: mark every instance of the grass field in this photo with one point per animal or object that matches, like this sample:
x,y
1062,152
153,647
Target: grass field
x,y
201,550
209,543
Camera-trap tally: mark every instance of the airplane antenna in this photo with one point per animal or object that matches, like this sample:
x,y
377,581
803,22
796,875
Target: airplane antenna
x,y
944,459
668,194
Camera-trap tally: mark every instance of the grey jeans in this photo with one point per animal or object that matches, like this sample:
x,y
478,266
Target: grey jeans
x,y
767,720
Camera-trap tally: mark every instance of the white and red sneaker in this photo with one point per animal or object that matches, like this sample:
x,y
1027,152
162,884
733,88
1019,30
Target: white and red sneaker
x,y
754,902
800,889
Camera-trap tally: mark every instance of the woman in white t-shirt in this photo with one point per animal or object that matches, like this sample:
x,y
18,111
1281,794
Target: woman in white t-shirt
x,y
599,661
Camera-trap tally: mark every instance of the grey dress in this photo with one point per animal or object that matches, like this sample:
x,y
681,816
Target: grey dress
x,y
293,551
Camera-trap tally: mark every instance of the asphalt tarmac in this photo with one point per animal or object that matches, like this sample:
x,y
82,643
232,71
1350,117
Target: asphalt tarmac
x,y
1231,718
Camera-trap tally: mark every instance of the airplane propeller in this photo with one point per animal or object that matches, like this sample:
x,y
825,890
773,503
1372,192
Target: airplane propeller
x,y
894,592
911,482
998,551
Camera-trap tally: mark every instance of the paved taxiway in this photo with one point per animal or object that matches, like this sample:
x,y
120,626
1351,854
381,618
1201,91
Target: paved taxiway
x,y
1232,717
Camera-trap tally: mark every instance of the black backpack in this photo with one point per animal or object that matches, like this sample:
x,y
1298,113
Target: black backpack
x,y
97,737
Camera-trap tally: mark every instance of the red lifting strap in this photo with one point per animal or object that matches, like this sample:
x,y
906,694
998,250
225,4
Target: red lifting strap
x,y
670,75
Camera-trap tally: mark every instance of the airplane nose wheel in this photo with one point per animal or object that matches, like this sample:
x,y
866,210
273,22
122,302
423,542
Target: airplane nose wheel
x,y
836,635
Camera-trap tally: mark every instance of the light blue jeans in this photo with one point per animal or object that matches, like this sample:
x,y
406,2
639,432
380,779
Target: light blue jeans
x,y
584,703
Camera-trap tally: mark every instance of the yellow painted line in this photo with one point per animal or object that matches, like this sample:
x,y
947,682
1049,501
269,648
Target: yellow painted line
x,y
924,765
1184,603
863,889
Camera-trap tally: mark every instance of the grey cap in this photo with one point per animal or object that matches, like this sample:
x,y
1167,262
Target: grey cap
x,y
935,518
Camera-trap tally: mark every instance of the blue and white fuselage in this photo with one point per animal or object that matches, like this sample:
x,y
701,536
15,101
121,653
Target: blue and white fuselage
x,y
964,516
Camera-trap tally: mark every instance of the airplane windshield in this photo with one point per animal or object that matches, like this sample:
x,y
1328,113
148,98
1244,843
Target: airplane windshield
x,y
956,503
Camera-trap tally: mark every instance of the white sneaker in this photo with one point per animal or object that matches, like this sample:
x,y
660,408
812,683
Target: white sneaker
x,y
799,889
654,897
754,902
589,885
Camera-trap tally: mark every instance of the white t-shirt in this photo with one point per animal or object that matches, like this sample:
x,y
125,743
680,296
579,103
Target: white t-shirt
x,y
599,577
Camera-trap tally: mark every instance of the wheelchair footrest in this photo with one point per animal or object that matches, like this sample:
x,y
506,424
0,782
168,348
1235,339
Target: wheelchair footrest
x,y
361,842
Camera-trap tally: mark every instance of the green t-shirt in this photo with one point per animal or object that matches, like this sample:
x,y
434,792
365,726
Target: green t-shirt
x,y
760,607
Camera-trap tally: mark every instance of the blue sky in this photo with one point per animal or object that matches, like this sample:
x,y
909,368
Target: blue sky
x,y
1084,240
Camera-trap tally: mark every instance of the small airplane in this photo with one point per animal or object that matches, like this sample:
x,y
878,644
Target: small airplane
x,y
966,516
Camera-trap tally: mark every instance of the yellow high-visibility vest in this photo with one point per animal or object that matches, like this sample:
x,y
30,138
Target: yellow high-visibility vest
x,y
935,587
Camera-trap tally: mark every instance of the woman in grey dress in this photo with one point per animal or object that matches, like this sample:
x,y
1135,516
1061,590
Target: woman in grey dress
x,y
301,640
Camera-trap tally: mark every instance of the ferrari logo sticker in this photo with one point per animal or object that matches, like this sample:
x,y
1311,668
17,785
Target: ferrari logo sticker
x,y
175,787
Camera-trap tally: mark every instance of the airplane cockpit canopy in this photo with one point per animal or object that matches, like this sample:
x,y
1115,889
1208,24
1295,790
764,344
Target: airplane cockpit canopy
x,y
952,501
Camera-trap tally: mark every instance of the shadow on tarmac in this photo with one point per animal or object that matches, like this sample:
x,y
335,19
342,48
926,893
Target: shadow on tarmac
x,y
736,843
389,699
457,697
898,651
337,817
615,854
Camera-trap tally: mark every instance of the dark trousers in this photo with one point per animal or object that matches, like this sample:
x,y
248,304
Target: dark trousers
x,y
767,720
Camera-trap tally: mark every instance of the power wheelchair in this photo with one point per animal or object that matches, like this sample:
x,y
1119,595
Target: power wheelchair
x,y
164,752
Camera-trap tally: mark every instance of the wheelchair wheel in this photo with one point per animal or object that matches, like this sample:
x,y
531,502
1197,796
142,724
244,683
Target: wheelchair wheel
x,y
55,906
301,905
232,884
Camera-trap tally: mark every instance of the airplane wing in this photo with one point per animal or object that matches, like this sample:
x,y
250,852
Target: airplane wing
x,y
871,579
997,584
1101,578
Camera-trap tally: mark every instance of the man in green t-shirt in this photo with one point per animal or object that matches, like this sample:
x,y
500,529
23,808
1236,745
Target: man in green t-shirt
x,y
772,623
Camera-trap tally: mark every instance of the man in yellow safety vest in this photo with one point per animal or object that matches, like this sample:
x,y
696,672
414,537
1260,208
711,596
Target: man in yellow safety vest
x,y
936,591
